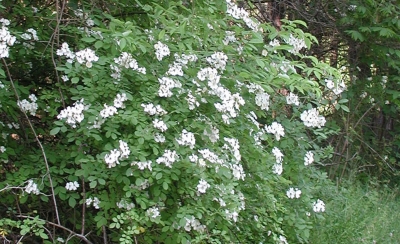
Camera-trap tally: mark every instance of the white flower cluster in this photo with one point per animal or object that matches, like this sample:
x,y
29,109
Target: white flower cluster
x,y
240,13
65,51
93,201
125,204
192,102
336,88
86,56
143,165
276,129
211,75
233,146
218,60
32,188
202,186
153,212
162,50
158,137
2,149
74,115
278,167
308,158
160,125
293,193
72,186
274,43
126,60
212,133
166,84
292,99
27,106
193,223
6,39
168,158
319,206
28,36
209,156
111,110
186,139
230,104
297,44
153,110
311,118
229,37
176,69
262,100
231,215
112,159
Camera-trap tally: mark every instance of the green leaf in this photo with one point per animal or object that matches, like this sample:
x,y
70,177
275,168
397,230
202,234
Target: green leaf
x,y
101,181
88,39
98,44
71,202
55,131
159,175
93,184
75,80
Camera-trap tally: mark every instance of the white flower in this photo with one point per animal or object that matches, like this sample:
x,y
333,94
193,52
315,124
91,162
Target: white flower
x,y
311,118
282,240
166,84
93,201
153,110
86,56
159,124
218,60
2,149
187,139
123,152
229,37
297,44
32,188
292,99
308,158
168,158
158,137
108,111
319,206
125,204
262,100
112,159
202,186
27,106
153,212
74,115
119,100
293,193
6,39
162,50
276,129
72,186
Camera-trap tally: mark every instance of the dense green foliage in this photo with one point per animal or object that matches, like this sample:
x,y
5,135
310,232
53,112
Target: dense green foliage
x,y
182,122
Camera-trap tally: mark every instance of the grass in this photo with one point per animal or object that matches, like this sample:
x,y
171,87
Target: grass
x,y
356,214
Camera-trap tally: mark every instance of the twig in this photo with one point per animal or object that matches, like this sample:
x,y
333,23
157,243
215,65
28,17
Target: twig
x,y
82,237
38,141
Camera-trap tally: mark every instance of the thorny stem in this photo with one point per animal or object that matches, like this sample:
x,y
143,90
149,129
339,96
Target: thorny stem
x,y
37,140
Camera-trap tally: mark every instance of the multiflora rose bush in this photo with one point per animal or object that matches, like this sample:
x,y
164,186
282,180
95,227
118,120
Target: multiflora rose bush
x,y
189,125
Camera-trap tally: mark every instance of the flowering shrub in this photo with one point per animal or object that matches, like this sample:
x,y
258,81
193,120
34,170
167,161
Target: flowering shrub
x,y
186,127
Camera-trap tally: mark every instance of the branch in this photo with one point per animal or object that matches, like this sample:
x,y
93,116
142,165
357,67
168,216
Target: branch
x,y
37,140
82,237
